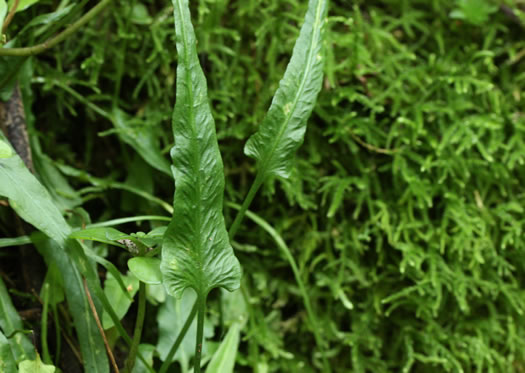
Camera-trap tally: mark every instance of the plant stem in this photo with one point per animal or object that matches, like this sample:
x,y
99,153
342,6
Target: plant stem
x,y
10,16
43,336
297,274
58,342
247,201
137,333
36,49
110,223
233,230
201,309
122,332
179,339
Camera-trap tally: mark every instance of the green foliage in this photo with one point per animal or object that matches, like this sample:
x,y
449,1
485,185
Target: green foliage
x,y
22,4
120,298
223,360
11,324
403,209
170,319
282,130
3,12
7,360
33,203
146,270
476,12
196,251
35,366
5,150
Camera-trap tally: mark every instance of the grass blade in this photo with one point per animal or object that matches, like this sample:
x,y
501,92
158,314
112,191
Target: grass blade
x,y
302,288
10,323
223,361
34,204
91,344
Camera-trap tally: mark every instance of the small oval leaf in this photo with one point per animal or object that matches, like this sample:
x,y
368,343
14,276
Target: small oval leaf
x,y
146,270
121,299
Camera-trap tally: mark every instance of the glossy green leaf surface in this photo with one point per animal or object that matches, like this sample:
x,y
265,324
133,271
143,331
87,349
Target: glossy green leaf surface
x,y
104,234
282,130
146,270
223,361
35,366
10,322
196,251
7,361
30,199
113,237
120,300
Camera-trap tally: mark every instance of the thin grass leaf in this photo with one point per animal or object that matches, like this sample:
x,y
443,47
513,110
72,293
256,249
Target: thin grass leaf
x,y
34,204
282,130
15,241
10,323
30,199
91,344
223,361
196,252
302,288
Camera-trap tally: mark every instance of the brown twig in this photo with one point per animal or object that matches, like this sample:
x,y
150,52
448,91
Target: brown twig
x,y
97,320
10,16
371,147
73,348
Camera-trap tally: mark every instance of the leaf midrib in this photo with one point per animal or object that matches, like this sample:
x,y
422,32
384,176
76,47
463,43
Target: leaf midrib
x,y
196,155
